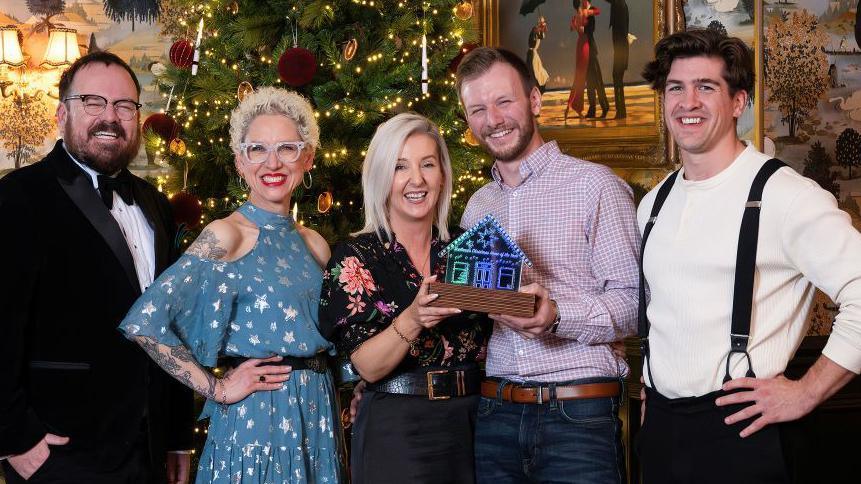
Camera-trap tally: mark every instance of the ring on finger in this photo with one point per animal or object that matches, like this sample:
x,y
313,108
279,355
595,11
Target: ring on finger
x,y
262,378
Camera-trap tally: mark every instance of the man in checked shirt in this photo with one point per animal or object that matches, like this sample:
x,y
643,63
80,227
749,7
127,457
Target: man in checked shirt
x,y
549,407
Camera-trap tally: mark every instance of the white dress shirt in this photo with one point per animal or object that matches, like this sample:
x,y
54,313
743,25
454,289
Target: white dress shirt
x,y
136,229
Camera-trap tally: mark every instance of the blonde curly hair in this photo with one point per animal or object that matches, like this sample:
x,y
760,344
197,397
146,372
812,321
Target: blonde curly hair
x,y
272,100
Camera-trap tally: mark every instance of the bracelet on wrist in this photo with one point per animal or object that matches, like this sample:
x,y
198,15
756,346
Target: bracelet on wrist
x,y
410,342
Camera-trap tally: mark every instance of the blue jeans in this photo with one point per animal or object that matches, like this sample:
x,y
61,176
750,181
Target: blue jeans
x,y
561,441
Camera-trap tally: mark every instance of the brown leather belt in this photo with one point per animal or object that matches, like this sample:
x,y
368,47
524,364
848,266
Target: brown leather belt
x,y
517,394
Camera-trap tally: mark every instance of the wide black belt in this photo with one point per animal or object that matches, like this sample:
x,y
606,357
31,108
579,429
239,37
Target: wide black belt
x,y
440,384
318,363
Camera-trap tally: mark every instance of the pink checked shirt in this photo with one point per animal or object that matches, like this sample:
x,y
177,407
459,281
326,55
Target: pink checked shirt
x,y
576,222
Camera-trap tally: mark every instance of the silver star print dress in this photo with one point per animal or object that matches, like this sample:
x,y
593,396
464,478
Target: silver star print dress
x,y
262,304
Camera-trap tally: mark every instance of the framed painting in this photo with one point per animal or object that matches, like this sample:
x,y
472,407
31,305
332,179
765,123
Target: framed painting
x,y
736,18
588,64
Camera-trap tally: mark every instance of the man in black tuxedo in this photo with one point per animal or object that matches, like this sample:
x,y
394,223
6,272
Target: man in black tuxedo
x,y
82,237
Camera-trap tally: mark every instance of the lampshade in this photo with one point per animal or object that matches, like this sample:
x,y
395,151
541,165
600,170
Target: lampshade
x,y
10,49
62,47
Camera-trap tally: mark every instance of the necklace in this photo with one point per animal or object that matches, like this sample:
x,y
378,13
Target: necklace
x,y
421,268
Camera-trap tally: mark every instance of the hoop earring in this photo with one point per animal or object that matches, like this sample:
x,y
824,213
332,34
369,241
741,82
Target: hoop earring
x,y
310,179
243,185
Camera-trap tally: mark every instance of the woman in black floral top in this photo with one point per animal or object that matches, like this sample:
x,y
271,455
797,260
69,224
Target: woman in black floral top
x,y
416,417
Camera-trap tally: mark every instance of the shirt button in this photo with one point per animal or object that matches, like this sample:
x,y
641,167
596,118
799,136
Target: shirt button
x,y
520,352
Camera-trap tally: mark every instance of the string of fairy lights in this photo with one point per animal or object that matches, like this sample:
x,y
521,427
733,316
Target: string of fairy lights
x,y
194,110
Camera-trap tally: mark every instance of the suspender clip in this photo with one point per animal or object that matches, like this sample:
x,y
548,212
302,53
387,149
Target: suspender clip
x,y
738,342
644,346
753,204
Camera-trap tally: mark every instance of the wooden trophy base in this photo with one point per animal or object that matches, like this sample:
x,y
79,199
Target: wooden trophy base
x,y
494,301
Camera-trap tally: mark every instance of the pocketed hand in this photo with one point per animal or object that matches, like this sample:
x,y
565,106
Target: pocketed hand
x,y
29,462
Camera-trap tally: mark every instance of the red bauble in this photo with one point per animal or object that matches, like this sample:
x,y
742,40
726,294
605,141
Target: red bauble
x,y
186,209
181,54
162,125
297,66
464,49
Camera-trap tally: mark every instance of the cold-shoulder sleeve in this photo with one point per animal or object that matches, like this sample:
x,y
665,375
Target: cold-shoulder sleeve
x,y
351,310
190,304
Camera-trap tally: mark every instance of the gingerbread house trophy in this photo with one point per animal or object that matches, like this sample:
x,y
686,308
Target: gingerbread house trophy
x,y
483,273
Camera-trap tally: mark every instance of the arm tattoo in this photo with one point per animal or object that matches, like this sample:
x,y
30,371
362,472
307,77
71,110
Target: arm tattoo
x,y
206,246
180,364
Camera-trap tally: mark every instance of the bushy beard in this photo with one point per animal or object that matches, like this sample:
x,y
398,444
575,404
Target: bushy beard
x,y
104,160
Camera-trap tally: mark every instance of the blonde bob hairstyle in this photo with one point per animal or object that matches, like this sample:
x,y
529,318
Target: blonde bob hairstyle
x,y
271,100
378,172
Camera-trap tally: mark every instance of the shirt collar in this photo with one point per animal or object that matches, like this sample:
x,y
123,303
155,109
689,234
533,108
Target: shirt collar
x,y
532,165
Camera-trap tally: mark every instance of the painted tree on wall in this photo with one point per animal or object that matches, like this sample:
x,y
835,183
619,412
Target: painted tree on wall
x,y
133,10
817,166
717,27
796,66
849,149
24,124
46,9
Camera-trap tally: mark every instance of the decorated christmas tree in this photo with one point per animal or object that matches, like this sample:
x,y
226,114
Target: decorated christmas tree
x,y
358,61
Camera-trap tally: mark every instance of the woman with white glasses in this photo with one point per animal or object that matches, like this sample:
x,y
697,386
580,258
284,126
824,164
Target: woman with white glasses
x,y
245,296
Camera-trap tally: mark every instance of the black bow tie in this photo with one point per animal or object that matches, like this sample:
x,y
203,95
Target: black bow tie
x,y
122,184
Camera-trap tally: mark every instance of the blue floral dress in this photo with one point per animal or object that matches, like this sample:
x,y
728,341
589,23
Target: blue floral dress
x,y
262,304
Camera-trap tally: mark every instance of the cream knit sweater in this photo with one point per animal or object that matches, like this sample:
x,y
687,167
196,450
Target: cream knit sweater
x,y
804,241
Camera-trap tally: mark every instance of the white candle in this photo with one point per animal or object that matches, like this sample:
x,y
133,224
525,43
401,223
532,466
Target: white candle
x,y
424,64
196,59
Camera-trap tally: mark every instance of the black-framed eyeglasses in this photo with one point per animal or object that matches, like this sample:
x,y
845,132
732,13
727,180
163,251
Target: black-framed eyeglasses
x,y
285,151
95,105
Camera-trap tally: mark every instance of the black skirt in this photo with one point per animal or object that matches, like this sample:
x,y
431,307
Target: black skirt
x,y
406,438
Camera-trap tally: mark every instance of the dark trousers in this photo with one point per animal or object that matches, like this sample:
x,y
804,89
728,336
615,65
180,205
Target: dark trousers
x,y
595,83
76,467
685,440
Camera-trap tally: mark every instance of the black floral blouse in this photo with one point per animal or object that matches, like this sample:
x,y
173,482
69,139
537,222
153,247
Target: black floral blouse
x,y
369,282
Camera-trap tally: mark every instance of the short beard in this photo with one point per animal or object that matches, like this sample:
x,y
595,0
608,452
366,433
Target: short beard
x,y
106,162
515,152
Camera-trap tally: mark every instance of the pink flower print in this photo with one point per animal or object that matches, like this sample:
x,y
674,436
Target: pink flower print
x,y
356,304
355,277
448,349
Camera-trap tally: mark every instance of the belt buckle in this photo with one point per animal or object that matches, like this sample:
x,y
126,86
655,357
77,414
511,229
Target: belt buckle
x,y
315,364
429,377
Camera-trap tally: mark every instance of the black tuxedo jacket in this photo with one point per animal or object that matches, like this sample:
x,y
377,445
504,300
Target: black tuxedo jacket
x,y
67,280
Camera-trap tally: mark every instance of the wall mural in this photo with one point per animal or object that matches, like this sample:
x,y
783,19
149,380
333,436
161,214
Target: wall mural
x,y
29,101
812,109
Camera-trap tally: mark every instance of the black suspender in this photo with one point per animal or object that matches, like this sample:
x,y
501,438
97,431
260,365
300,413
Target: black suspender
x,y
745,267
642,318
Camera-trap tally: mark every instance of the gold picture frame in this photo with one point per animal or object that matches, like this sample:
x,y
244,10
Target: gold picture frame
x,y
638,152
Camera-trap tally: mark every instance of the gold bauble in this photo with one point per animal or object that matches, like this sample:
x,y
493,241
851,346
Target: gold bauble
x,y
350,49
245,88
233,7
469,137
324,202
463,10
177,147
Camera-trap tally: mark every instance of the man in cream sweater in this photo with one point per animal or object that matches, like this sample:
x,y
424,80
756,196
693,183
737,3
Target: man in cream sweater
x,y
719,332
